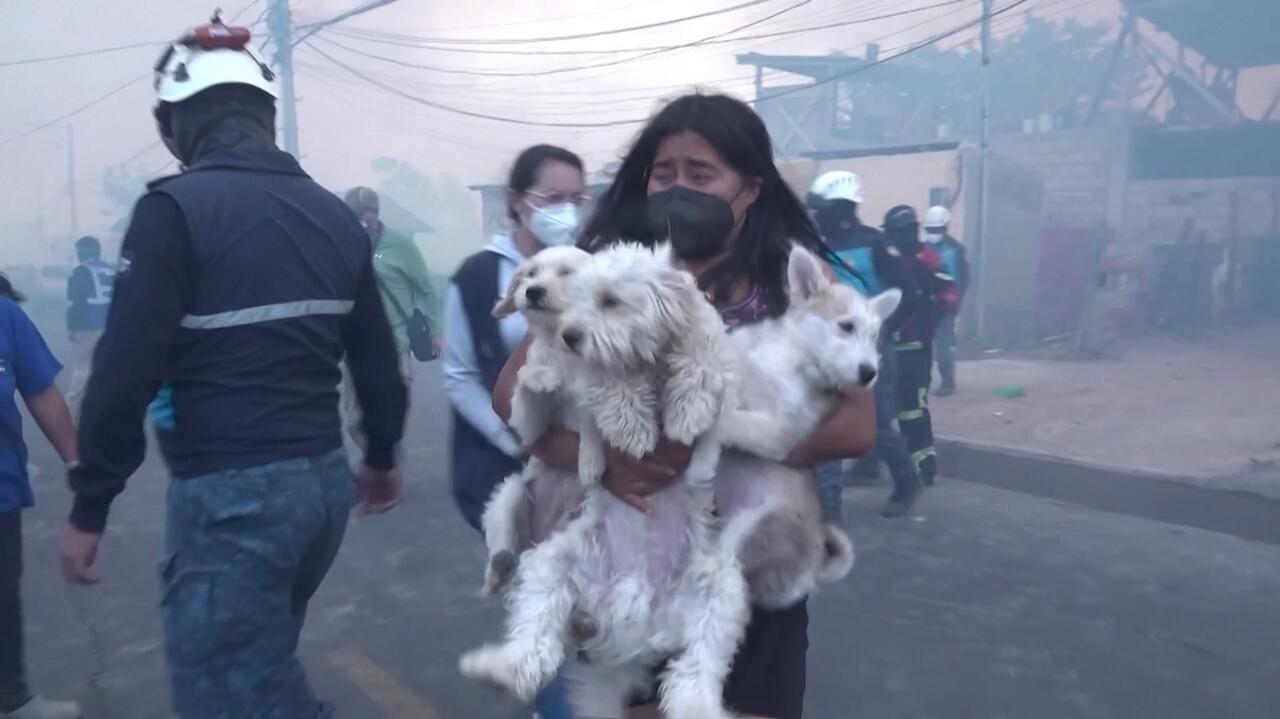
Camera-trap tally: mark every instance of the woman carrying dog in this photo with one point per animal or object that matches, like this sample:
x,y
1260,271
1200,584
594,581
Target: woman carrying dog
x,y
544,192
702,173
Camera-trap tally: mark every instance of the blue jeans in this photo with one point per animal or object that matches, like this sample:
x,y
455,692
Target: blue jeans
x,y
245,550
890,447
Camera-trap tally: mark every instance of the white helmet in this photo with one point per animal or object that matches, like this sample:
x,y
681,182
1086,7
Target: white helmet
x,y
837,185
937,216
210,55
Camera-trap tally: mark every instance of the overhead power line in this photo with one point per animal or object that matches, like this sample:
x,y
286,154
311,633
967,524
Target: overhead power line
x,y
77,111
346,32
82,53
510,120
578,68
593,34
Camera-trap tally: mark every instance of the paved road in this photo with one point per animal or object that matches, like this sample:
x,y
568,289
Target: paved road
x,y
987,604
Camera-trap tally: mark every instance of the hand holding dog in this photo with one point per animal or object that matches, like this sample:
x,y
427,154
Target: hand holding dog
x,y
631,480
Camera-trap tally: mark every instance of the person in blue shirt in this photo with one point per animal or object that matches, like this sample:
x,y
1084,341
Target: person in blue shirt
x,y
27,368
88,297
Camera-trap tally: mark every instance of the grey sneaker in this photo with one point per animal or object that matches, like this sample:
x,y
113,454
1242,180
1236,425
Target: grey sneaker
x,y
42,708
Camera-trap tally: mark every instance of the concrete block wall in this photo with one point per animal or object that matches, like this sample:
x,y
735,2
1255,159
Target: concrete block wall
x,y
1082,171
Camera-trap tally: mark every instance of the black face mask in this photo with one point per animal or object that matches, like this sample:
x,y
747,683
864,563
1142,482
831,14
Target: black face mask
x,y
698,224
832,220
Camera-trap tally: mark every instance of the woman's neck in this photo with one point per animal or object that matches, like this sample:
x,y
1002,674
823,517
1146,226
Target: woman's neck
x,y
737,292
525,242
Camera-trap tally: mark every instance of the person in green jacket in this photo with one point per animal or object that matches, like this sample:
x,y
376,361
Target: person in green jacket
x,y
402,273
404,284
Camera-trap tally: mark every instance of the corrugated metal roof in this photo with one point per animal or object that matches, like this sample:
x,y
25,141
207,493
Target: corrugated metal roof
x,y
1229,33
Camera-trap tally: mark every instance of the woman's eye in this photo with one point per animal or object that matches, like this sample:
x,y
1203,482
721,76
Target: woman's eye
x,y
846,327
609,302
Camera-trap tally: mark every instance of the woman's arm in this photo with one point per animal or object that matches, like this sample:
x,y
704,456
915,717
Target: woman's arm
x,y
49,409
849,431
462,384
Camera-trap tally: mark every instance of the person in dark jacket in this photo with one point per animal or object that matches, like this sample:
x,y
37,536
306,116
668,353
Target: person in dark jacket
x,y
88,297
871,265
243,283
935,295
955,263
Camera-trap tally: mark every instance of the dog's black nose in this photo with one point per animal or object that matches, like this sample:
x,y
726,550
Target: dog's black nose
x,y
535,294
571,338
866,375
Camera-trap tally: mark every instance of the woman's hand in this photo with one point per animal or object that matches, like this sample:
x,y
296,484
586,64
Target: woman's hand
x,y
632,480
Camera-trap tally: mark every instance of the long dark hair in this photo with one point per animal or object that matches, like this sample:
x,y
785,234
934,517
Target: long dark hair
x,y
7,291
775,220
524,173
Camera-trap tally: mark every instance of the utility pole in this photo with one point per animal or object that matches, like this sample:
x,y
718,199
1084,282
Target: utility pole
x,y
984,150
280,25
71,182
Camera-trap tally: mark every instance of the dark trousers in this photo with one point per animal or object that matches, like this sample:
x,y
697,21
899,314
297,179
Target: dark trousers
x,y
915,367
889,447
245,551
944,346
13,677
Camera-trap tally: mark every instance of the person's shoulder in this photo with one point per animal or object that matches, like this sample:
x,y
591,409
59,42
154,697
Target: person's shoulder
x,y
11,314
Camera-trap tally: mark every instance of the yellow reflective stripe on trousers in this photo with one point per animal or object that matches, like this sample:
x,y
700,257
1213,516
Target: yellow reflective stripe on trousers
x,y
910,415
910,346
920,456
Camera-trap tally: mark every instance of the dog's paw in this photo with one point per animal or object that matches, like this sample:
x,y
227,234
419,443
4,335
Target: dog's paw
x,y
541,379
502,567
690,702
501,665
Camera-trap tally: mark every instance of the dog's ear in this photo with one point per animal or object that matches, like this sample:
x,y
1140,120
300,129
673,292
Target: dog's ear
x,y
805,275
884,304
507,305
673,295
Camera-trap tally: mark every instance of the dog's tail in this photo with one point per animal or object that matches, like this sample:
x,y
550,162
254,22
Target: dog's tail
x,y
837,559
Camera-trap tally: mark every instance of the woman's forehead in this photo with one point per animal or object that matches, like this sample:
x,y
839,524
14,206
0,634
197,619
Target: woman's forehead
x,y
559,177
688,147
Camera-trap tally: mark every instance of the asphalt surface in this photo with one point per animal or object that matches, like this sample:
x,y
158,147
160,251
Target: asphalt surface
x,y
988,603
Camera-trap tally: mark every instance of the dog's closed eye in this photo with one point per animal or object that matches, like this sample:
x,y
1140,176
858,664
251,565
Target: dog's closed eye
x,y
609,301
565,271
847,327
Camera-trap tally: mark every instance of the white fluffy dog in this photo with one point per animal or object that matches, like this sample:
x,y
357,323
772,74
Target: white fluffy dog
x,y
538,290
797,367
653,362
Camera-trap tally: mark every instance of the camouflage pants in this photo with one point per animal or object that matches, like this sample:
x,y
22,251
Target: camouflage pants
x,y
244,552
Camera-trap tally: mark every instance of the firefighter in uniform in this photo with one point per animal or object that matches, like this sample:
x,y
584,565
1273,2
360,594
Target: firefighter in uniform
x,y
935,297
952,258
871,265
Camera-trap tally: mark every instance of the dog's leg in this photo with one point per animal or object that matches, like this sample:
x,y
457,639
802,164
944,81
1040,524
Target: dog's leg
x,y
626,413
591,457
540,605
502,531
694,682
693,393
531,412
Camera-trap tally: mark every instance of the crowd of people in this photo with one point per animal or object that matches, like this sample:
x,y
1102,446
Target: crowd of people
x,y
248,299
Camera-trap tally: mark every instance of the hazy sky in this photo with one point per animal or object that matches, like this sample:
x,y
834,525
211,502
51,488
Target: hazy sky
x,y
345,122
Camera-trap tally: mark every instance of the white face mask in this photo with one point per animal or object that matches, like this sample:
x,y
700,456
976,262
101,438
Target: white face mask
x,y
934,238
555,225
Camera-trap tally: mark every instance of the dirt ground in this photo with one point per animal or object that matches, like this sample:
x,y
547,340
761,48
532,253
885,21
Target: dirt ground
x,y
1206,409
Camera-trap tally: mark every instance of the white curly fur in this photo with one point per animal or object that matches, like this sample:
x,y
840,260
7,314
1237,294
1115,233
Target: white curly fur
x,y
653,362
